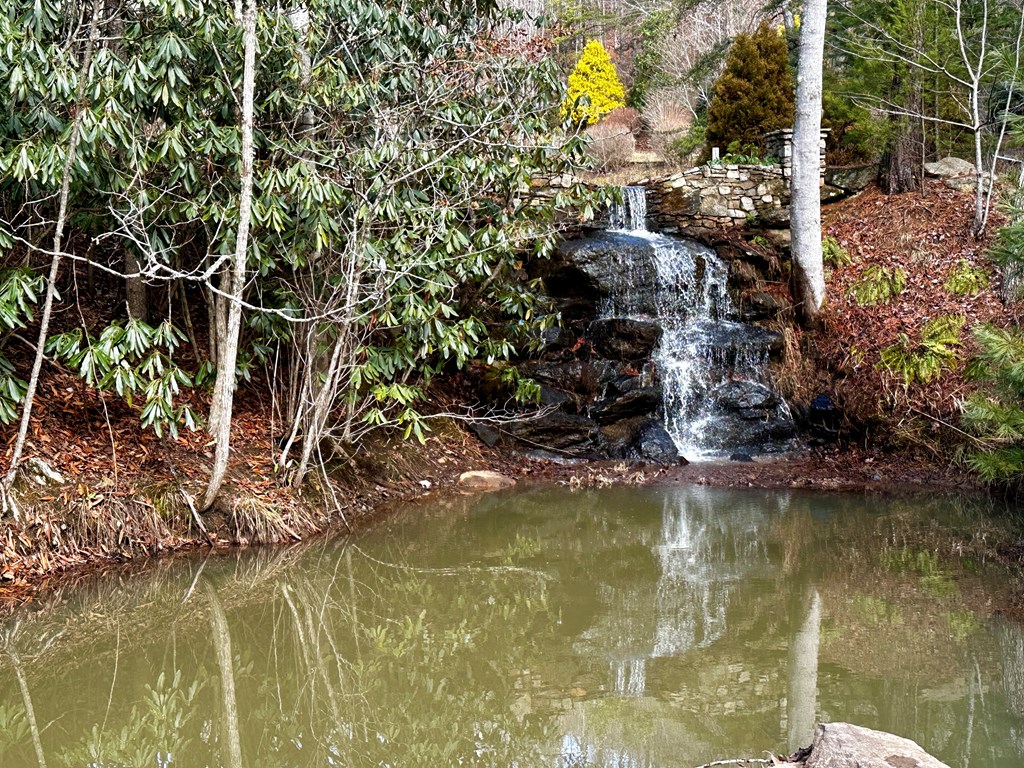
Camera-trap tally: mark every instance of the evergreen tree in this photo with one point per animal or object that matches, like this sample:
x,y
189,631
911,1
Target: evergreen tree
x,y
595,80
754,95
997,412
648,73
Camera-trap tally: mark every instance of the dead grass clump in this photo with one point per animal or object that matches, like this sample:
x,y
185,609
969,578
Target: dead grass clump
x,y
624,117
255,521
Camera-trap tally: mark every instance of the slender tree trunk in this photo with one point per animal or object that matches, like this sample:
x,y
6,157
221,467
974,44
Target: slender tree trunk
x,y
135,288
58,244
805,190
900,167
227,347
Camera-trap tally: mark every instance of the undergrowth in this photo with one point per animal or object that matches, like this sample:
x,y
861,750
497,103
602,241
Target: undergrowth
x,y
833,254
966,280
996,411
924,360
878,285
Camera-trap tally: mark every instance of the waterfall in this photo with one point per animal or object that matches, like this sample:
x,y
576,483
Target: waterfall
x,y
702,346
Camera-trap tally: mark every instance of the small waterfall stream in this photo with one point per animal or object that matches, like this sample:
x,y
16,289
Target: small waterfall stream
x,y
703,347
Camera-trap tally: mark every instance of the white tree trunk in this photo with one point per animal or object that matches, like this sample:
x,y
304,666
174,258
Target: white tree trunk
x,y
227,347
58,244
805,191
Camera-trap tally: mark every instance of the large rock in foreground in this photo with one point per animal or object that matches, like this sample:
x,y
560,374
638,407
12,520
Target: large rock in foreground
x,y
842,745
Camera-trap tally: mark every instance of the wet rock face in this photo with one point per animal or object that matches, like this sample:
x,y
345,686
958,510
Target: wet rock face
x,y
654,445
598,373
749,414
620,338
589,270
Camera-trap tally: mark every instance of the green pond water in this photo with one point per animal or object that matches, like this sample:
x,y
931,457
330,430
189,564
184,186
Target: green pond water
x,y
625,627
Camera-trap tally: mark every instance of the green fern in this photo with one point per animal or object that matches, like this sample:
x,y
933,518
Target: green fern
x,y
834,254
996,412
923,361
878,285
966,280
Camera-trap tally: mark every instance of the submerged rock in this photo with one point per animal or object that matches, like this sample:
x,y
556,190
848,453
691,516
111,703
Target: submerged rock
x,y
484,481
842,745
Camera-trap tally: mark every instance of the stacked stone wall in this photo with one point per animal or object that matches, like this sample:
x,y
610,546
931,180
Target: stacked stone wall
x,y
720,195
711,197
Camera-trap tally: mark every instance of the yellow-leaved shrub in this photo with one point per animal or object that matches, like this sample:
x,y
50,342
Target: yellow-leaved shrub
x,y
595,78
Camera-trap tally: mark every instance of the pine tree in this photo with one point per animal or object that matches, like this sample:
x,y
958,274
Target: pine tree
x,y
754,95
996,413
595,79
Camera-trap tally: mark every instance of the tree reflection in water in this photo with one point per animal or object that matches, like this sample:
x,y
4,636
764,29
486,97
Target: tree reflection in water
x,y
623,627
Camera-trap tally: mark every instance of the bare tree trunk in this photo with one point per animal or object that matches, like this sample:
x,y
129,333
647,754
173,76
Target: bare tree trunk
x,y
227,347
901,162
58,244
135,288
805,190
30,711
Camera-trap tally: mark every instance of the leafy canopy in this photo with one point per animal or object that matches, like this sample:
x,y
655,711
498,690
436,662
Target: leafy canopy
x,y
397,145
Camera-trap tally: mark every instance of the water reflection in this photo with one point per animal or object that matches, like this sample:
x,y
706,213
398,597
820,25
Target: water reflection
x,y
624,627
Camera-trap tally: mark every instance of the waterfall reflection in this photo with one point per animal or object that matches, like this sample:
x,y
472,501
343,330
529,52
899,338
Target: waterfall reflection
x,y
640,627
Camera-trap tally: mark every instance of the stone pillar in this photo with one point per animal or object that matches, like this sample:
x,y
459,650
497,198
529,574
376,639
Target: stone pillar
x,y
779,144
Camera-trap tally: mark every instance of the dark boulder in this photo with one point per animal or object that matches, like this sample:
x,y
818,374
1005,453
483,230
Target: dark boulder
x,y
621,338
558,432
654,445
641,438
761,305
749,417
643,401
594,268
587,379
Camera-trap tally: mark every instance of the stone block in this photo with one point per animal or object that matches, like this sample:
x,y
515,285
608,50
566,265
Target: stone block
x,y
746,204
724,190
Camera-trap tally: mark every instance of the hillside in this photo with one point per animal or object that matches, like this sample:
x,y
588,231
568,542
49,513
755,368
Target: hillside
x,y
945,274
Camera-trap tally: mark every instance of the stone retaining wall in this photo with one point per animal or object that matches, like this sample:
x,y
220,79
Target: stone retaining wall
x,y
716,196
711,197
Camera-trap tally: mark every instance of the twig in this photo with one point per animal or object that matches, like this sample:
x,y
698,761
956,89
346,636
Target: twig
x,y
937,420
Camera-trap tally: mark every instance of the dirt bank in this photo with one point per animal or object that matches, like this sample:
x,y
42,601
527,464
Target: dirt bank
x,y
89,525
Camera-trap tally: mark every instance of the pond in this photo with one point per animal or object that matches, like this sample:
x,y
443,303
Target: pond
x,y
655,627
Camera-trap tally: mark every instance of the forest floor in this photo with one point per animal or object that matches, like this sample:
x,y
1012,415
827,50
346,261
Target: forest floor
x,y
128,494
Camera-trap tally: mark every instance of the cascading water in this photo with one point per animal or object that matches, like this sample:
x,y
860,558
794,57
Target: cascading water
x,y
702,348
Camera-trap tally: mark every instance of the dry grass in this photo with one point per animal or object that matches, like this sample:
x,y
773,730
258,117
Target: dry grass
x,y
610,146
